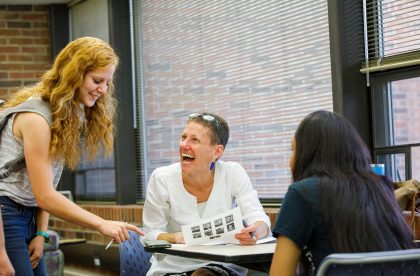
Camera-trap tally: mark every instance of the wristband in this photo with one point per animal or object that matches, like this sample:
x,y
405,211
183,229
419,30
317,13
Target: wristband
x,y
44,234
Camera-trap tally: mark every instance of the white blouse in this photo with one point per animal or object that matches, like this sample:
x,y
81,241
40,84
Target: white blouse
x,y
168,206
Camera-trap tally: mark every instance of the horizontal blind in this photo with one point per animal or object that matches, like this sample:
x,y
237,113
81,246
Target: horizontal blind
x,y
94,180
262,65
393,34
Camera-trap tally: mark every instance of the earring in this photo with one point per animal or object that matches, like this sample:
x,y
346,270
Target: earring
x,y
212,165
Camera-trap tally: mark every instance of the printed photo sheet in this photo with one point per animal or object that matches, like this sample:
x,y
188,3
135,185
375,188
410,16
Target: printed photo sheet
x,y
214,230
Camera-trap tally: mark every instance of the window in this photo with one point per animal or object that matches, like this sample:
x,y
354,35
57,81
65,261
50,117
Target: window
x,y
395,99
262,65
393,47
93,180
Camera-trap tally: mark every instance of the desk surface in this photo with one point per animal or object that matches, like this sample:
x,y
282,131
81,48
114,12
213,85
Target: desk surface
x,y
247,256
71,241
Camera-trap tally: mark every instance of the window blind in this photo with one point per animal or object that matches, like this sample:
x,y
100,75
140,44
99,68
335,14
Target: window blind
x,y
262,65
392,34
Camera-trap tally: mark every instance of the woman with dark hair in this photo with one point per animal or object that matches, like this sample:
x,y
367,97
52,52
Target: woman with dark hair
x,y
336,203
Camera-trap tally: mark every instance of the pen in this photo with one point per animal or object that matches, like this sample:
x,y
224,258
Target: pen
x,y
111,241
251,233
109,244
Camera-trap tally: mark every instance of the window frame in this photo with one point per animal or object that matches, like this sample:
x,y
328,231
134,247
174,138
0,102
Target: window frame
x,y
379,84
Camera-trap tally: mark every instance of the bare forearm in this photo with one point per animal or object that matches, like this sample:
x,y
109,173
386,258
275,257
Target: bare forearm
x,y
42,219
61,207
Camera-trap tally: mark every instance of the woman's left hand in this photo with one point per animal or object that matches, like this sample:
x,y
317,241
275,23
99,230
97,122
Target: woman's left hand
x,y
36,249
245,237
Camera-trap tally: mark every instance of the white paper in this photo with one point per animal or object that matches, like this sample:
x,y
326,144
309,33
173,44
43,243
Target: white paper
x,y
214,230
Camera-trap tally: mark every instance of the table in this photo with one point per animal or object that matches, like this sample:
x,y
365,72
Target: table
x,y
256,257
71,241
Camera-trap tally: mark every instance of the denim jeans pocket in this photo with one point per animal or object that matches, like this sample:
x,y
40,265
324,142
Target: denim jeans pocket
x,y
8,209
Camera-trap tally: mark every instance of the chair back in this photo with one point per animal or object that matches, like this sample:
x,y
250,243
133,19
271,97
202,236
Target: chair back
x,y
53,256
133,259
398,262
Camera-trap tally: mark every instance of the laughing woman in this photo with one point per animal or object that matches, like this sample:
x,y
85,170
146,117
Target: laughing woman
x,y
198,187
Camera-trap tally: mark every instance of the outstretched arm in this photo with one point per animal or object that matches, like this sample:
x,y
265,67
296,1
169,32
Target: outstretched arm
x,y
36,135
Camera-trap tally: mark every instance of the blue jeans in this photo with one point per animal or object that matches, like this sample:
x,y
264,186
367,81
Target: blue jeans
x,y
19,229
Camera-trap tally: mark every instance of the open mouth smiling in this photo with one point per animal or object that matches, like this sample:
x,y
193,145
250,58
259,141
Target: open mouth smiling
x,y
187,157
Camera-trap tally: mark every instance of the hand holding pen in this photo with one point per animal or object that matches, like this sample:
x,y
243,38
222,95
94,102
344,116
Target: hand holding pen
x,y
251,233
247,235
118,231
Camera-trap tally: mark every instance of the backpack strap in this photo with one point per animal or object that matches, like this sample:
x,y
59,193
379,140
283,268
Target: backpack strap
x,y
34,105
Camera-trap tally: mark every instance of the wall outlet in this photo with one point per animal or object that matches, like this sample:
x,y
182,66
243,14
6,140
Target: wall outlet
x,y
97,261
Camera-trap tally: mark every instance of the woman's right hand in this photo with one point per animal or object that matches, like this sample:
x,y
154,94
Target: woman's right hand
x,y
6,268
118,230
177,237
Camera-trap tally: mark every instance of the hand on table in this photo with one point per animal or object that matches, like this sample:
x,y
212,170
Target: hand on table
x,y
245,237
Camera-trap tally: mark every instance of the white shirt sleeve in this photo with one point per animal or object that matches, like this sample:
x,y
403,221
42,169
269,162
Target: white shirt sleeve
x,y
246,197
156,207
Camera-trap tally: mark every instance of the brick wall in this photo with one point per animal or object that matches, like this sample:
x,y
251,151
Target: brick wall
x,y
25,51
406,114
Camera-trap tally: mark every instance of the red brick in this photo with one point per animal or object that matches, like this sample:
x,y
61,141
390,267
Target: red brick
x,y
11,67
35,16
20,57
41,25
21,75
35,67
20,41
40,33
9,49
9,83
43,58
19,24
9,16
43,40
9,33
32,49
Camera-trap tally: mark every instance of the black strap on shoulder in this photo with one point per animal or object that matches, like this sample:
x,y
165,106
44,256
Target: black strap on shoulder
x,y
32,105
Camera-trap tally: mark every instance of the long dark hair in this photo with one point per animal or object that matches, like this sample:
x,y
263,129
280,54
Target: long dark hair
x,y
359,208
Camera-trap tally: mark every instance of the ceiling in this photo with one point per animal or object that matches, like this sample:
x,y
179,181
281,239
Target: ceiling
x,y
32,2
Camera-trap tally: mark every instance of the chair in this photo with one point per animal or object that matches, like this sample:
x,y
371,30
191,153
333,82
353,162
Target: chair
x,y
133,259
398,262
53,256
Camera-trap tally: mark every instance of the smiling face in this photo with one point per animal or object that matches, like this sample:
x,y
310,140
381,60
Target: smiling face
x,y
95,84
196,150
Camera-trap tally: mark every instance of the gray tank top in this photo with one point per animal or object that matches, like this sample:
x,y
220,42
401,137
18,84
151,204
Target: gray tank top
x,y
17,185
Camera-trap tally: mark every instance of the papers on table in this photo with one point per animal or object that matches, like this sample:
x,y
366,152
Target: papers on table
x,y
214,230
220,229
